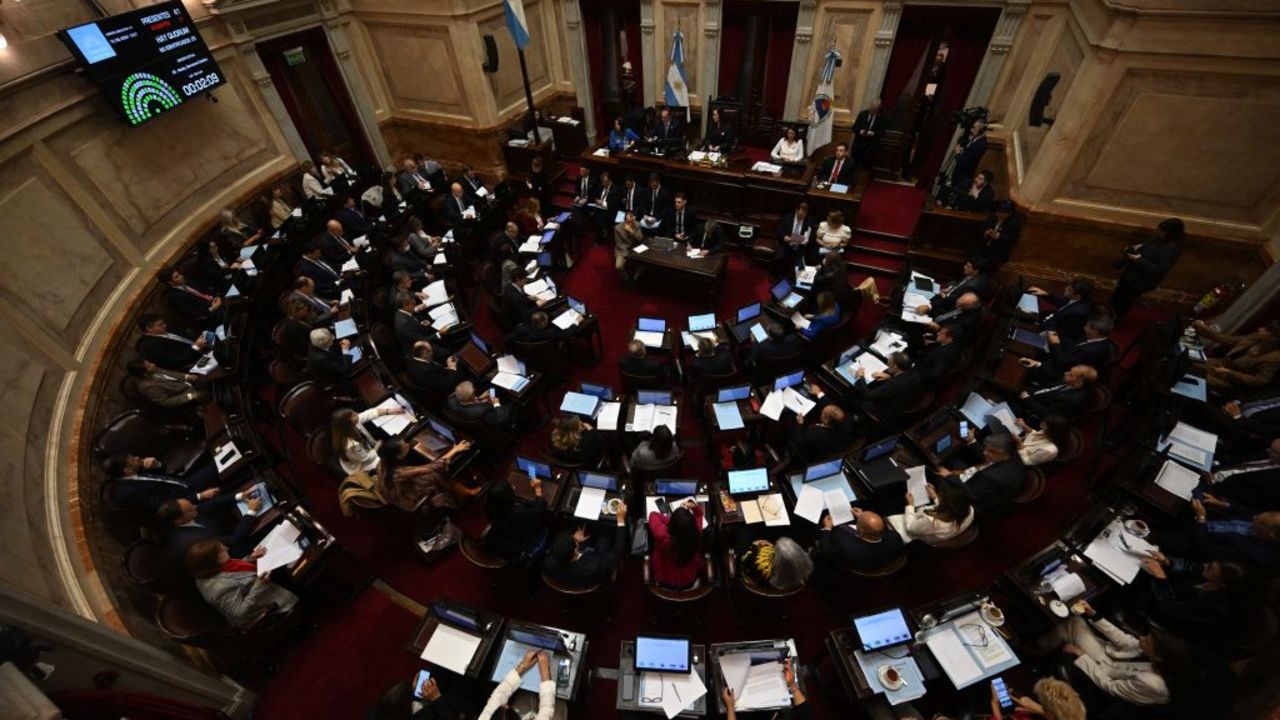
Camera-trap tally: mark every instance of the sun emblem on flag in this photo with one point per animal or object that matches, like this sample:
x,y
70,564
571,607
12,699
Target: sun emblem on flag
x,y
677,85
822,106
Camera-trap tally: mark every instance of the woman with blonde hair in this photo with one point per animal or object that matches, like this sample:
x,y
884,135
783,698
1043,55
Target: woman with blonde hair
x,y
1054,700
575,442
529,219
355,447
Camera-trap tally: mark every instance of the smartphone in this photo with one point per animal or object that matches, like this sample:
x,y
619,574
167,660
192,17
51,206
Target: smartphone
x,y
1002,693
664,507
420,682
964,428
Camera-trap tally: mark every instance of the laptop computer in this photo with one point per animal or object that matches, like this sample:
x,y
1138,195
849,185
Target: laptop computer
x,y
532,467
784,295
576,304
647,324
821,470
664,653
882,630
791,380
440,439
878,468
733,394
456,616
748,482
702,323
538,637
746,317
599,480
656,397
1030,338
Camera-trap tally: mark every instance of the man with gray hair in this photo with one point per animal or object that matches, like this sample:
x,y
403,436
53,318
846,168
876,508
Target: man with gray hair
x,y
328,365
967,315
993,483
466,408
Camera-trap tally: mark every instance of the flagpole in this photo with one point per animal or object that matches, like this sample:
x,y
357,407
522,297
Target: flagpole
x,y
528,94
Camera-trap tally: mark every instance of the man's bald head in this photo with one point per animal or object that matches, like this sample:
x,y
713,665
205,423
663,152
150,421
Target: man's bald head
x,y
968,301
456,189
334,227
870,525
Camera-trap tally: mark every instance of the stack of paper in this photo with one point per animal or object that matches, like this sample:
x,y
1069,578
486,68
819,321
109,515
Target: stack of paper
x,y
350,266
434,294
1066,585
773,405
762,687
838,505
649,337
608,417
532,245
282,547
697,156
567,319
224,456
806,276
913,300
542,289
1191,444
810,503
639,249
451,648
444,317
1177,479
590,501
508,381
887,343
642,418
395,423
764,167
918,486
1109,554
797,403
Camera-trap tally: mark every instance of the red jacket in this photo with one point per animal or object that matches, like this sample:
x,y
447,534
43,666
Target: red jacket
x,y
665,570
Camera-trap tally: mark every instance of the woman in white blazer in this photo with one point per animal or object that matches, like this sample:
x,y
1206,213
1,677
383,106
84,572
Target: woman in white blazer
x,y
950,515
1038,447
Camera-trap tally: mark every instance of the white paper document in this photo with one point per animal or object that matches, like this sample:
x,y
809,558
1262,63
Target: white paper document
x,y
567,319
801,322
918,486
773,510
871,364
1177,479
773,405
734,669
809,504
1066,585
451,648
1109,554
510,364
838,505
510,381
434,294
680,691
797,403
947,648
532,245
444,317
350,266
639,249
887,343
589,503
608,417
728,417
763,687
282,547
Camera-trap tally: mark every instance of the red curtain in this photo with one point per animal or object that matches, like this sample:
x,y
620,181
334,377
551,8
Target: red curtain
x,y
782,35
631,26
732,39
909,45
971,30
591,24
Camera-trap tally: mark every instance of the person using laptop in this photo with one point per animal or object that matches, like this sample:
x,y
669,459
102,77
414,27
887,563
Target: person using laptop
x,y
538,328
356,449
574,442
408,484
868,544
711,358
950,513
582,558
677,546
657,451
500,706
994,483
517,530
832,434
778,343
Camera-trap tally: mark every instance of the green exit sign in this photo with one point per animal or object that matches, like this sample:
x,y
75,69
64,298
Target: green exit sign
x,y
295,56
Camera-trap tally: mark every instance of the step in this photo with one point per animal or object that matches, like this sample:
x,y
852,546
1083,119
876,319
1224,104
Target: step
x,y
881,234
875,264
878,245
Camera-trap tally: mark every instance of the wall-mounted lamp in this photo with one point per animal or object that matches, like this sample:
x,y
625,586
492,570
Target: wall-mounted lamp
x,y
4,41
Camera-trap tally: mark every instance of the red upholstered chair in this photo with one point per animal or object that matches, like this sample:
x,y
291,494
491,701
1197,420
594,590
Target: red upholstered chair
x,y
306,408
1032,486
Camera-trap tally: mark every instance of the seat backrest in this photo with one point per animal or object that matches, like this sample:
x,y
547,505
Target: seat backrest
x,y
306,407
188,619
132,432
632,382
542,355
770,368
320,447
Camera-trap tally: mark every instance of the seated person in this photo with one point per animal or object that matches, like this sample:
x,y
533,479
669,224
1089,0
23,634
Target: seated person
x,y
967,315
582,559
312,187
838,169
353,220
831,435
711,358
950,513
355,448
430,375
868,544
165,388
778,343
1197,599
186,523
783,566
412,178
667,127
465,407
1244,426
677,560
575,442
654,202
656,451
472,187
401,258
1094,350
1072,309
706,238
529,220
620,137
517,529
319,311
328,365
456,207
424,245
940,354
1250,361
142,485
826,316
198,308
327,278
605,199
499,705
1068,398
626,235
832,276
539,329
1136,670
1054,700
168,350
789,148
999,234
997,480
409,326
975,279
719,136
1038,447
281,211
295,330
234,233
1236,532
979,196
1254,483
233,587
516,305
407,484
638,363
334,246
681,222
833,235
889,394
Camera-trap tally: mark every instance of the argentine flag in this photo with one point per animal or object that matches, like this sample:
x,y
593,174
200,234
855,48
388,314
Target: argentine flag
x,y
677,90
516,23
820,124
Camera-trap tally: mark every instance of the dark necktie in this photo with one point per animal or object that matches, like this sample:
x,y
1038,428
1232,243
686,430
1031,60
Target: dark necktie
x,y
679,222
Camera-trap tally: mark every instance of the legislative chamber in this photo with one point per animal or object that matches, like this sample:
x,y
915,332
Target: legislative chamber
x,y
578,359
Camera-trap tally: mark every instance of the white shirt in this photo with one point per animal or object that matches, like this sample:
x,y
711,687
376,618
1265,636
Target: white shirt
x,y
788,151
1037,449
923,525
312,187
357,455
829,237
508,686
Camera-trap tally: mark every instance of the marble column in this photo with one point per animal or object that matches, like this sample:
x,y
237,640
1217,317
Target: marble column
x,y
997,51
890,15
580,68
648,53
797,78
360,97
270,95
709,82
1256,298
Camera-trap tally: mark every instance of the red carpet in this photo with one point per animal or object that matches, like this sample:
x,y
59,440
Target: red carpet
x,y
890,209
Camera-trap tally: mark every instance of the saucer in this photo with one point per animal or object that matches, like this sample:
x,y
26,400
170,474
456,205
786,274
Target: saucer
x,y
882,674
1059,608
994,619
1137,528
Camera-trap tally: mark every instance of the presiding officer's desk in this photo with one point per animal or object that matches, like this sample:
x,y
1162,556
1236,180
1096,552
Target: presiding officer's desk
x,y
669,257
628,692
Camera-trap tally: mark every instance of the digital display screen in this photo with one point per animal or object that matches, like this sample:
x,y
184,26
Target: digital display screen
x,y
701,323
652,324
822,470
600,481
748,312
484,346
787,381
663,654
781,290
532,467
539,639
742,482
603,392
734,394
882,629
677,487
147,61
442,430
655,397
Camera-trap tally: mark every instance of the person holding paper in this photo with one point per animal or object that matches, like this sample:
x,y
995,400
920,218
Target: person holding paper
x,y
654,202
355,447
889,394
200,309
1039,447
474,189
334,245
410,485
465,407
657,451
967,315
456,207
412,179
538,328
620,137
1072,309
677,559
604,198
409,327
868,544
831,435
781,565
800,709
517,530
583,559
826,316
832,276
993,484
950,514
498,707
233,587
706,239
796,232
574,442
638,363
1250,361
516,305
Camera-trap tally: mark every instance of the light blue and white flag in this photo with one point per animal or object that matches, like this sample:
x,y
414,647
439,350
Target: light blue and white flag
x,y
820,124
516,22
677,90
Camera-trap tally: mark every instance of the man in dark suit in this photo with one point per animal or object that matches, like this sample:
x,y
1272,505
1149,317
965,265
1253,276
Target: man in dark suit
x,y
630,196
1144,266
509,236
968,153
455,206
831,435
1000,233
706,238
710,358
471,187
778,343
939,357
1067,398
978,196
516,305
319,311
141,484
681,221
165,388
637,362
583,559
605,199
354,223
186,523
1254,483
413,179
868,544
409,326
1072,309
967,315
328,365
326,277
583,187
668,127
539,329
1247,424
886,395
1094,350
202,310
169,351
975,280
838,169
996,482
795,235
538,182
655,201
401,257
428,374
334,246
465,407
868,128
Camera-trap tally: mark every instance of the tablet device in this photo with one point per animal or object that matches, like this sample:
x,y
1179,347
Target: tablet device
x,y
660,653
702,323
580,404
746,482
882,630
943,444
484,346
533,467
